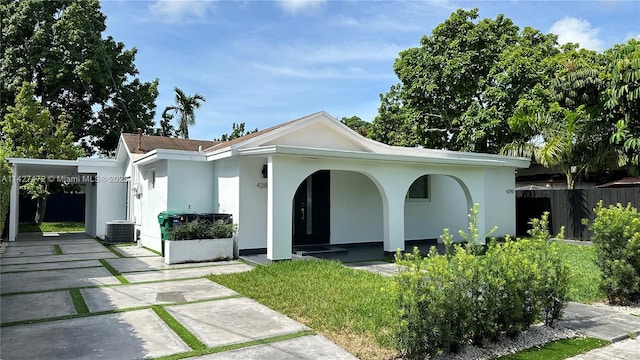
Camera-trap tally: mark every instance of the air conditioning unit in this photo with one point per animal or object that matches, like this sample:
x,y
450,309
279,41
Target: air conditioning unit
x,y
119,231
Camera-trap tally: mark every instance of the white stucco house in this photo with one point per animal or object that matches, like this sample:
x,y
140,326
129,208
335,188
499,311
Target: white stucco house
x,y
310,181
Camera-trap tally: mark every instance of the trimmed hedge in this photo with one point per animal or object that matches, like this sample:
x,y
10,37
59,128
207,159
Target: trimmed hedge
x,y
616,238
447,301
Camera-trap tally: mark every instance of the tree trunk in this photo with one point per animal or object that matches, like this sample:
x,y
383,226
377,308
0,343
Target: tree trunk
x,y
41,208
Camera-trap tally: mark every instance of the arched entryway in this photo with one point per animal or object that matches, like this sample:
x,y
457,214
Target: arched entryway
x,y
311,210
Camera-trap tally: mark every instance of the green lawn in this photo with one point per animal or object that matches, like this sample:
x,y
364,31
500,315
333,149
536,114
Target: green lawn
x,y
558,350
351,308
348,306
585,274
65,226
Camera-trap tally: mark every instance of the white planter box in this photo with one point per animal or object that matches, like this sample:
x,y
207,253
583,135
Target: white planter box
x,y
181,251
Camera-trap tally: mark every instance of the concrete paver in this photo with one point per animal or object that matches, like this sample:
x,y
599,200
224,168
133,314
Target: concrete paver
x,y
233,321
29,251
134,251
125,265
129,335
83,248
50,266
58,279
303,348
377,267
628,349
134,295
599,323
36,306
55,258
185,273
51,241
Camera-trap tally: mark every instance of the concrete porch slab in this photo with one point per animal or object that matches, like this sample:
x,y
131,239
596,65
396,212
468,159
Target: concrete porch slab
x,y
185,273
82,248
36,306
50,266
56,258
55,279
302,348
377,267
134,251
125,265
36,250
130,335
133,295
231,321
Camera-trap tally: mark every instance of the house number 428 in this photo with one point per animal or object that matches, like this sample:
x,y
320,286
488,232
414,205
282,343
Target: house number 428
x,y
261,185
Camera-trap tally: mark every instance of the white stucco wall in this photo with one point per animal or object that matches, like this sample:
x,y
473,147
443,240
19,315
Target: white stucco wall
x,y
151,203
90,210
501,200
190,187
227,186
356,209
446,208
252,216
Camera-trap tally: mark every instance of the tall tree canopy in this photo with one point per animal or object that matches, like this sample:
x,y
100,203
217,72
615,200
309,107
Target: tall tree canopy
x,y
458,88
29,131
58,46
237,131
185,108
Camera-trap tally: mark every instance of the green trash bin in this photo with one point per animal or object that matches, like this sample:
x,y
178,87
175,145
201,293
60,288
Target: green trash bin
x,y
165,219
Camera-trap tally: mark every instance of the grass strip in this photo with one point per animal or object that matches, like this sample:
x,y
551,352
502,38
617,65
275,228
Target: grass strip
x,y
236,346
45,227
58,249
557,350
114,272
153,251
78,301
184,334
54,269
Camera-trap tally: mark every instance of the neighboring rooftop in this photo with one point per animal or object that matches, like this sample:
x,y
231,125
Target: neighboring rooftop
x,y
152,142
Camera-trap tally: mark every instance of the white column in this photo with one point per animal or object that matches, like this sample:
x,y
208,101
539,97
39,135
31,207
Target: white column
x,y
279,205
14,207
393,214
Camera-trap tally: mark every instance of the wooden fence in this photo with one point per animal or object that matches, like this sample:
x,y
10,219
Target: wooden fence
x,y
568,207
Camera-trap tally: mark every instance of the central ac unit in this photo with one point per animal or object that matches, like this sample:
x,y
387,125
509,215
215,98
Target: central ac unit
x,y
119,231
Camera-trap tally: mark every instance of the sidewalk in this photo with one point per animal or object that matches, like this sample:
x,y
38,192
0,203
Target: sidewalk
x,y
69,297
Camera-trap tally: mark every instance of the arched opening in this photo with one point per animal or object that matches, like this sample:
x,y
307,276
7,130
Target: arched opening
x,y
434,202
337,207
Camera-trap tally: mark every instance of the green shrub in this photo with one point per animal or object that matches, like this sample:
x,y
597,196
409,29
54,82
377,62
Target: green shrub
x,y
201,229
616,238
446,301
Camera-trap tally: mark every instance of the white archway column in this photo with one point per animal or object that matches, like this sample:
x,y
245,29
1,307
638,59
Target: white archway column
x,y
393,190
476,185
279,217
14,205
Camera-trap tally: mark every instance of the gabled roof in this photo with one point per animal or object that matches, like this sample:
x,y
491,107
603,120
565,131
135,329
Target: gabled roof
x,y
151,142
223,144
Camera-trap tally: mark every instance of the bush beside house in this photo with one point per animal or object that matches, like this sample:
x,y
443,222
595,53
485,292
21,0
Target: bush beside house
x,y
616,238
200,240
447,301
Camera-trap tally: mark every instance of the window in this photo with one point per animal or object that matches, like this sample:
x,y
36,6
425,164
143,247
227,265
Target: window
x,y
152,179
419,189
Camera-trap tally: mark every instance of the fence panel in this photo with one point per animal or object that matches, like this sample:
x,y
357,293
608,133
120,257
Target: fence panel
x,y
568,207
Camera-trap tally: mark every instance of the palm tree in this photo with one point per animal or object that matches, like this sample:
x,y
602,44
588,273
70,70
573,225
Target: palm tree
x,y
185,109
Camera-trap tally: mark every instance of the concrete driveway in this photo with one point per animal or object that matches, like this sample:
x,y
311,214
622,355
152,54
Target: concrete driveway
x,y
65,296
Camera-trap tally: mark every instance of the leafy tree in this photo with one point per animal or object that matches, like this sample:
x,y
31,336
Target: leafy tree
x,y
166,128
357,124
5,185
238,130
185,108
458,88
58,46
624,97
29,131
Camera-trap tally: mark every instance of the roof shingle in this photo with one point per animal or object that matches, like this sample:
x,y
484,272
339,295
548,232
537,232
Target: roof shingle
x,y
151,142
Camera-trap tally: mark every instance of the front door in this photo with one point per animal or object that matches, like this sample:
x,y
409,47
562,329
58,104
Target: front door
x,y
311,210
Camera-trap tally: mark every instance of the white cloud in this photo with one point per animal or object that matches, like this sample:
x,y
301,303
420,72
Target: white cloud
x,y
570,29
181,10
301,6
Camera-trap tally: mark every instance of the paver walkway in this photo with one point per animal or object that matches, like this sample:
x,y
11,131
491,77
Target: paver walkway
x,y
69,297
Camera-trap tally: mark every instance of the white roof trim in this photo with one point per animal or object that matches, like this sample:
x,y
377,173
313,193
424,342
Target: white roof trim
x,y
451,158
166,154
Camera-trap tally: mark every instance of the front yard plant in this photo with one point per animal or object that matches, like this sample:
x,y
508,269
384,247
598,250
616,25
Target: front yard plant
x,y
616,237
447,301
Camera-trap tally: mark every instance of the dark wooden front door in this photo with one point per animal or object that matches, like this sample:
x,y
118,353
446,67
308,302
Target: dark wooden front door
x,y
311,210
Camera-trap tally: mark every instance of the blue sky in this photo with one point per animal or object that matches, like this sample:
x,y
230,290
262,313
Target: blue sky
x,y
267,62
